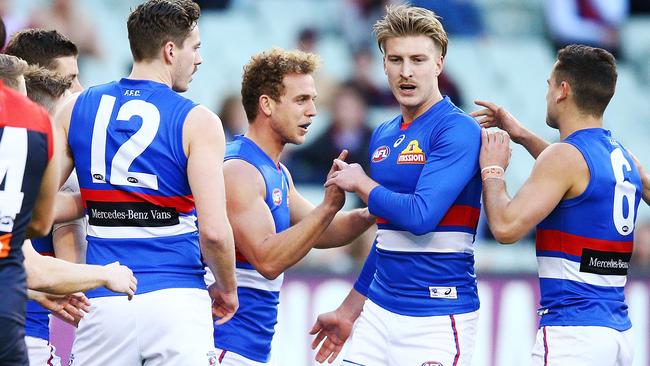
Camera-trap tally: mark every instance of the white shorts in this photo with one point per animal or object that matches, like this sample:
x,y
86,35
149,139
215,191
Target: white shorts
x,y
229,358
383,338
41,352
582,346
170,327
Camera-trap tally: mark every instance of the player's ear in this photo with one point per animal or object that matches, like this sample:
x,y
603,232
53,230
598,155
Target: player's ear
x,y
440,63
168,52
564,91
266,104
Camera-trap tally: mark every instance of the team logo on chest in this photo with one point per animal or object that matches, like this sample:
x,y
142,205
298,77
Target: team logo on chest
x,y
277,196
412,154
380,154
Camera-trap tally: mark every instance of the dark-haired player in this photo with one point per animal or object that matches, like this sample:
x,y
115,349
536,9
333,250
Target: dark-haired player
x,y
583,195
149,162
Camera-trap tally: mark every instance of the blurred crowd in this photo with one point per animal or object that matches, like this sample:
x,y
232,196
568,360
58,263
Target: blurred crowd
x,y
352,106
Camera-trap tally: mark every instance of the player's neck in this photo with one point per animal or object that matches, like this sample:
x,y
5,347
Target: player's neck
x,y
409,114
578,121
153,71
266,141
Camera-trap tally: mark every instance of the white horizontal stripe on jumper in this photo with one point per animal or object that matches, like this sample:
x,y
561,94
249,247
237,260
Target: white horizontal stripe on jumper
x,y
252,279
564,269
440,242
186,224
249,278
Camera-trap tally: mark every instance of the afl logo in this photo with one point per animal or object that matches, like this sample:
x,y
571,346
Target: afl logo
x,y
432,363
380,154
277,196
399,140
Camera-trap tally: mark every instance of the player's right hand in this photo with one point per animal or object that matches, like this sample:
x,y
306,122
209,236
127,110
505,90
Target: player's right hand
x,y
332,330
334,195
224,304
495,149
120,279
496,116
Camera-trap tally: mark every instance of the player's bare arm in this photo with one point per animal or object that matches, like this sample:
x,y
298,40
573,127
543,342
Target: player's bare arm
x,y
269,252
332,329
69,236
645,178
43,214
69,241
61,127
346,225
55,276
560,172
204,141
68,206
494,115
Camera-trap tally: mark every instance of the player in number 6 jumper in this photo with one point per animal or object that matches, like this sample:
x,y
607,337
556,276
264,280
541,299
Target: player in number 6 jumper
x,y
583,195
149,161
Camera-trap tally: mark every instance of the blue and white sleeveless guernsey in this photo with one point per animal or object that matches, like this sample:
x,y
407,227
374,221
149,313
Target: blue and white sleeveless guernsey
x,y
422,261
250,332
584,246
37,320
126,139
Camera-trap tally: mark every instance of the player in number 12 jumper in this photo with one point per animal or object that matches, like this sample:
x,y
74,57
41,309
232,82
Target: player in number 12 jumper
x,y
149,161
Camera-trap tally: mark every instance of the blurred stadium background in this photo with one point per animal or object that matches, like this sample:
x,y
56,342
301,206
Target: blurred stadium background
x,y
500,50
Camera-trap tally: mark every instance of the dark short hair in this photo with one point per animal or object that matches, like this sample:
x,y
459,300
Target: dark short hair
x,y
264,75
45,87
41,47
591,73
156,22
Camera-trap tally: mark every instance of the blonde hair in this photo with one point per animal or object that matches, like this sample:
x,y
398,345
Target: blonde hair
x,y
264,73
403,21
11,69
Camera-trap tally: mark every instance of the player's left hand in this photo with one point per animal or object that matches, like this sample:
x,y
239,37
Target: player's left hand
x,y
347,177
69,308
495,149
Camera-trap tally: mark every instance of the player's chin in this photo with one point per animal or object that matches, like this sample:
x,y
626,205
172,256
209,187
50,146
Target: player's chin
x,y
298,140
181,87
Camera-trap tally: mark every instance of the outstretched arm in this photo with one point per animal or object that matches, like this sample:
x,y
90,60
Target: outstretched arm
x,y
55,276
496,116
269,252
552,179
